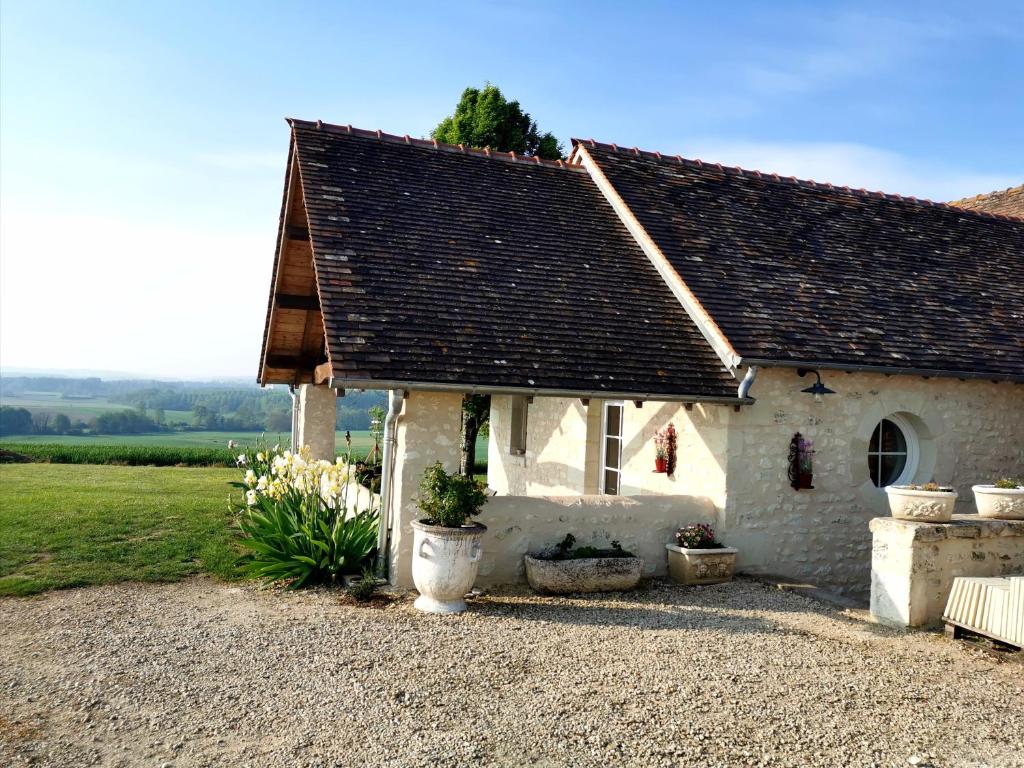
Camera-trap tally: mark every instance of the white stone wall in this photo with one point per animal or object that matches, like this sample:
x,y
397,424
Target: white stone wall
x,y
564,449
428,431
913,564
517,525
971,432
317,417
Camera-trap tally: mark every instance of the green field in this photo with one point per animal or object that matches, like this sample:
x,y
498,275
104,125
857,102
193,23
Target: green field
x,y
84,408
361,441
74,525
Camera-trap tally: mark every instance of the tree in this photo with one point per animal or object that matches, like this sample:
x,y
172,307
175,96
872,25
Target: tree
x,y
15,421
61,424
485,118
476,410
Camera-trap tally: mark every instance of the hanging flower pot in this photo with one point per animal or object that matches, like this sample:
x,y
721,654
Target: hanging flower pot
x,y
665,450
661,464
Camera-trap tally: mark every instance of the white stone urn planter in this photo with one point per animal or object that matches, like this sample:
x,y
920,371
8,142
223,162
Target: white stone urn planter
x,y
908,503
701,566
999,503
583,574
445,562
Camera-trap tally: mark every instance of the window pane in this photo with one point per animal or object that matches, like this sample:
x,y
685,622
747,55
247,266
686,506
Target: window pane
x,y
612,449
873,468
873,445
611,482
893,440
614,420
892,466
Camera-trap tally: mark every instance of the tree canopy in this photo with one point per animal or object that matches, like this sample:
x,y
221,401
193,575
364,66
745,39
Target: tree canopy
x,y
485,118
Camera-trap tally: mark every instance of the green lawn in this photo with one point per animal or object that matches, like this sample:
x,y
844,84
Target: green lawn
x,y
73,525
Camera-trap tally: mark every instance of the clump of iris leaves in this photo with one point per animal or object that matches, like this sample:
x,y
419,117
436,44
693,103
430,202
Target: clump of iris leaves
x,y
566,550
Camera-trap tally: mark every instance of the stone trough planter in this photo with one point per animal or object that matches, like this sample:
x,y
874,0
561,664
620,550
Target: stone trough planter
x,y
906,503
701,566
587,574
999,503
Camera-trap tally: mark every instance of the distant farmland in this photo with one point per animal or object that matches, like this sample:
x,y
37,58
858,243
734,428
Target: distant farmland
x,y
74,408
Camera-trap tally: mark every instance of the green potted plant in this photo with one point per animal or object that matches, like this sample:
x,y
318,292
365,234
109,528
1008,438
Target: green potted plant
x,y
924,502
1003,500
446,542
565,568
697,557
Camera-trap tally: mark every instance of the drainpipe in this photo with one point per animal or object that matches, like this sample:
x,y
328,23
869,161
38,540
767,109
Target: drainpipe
x,y
295,416
396,398
747,383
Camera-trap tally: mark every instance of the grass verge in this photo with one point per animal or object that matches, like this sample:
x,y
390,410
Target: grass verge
x,y
78,525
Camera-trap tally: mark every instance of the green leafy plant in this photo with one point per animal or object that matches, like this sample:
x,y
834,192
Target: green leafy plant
x,y
297,521
450,500
564,550
929,487
1009,483
363,590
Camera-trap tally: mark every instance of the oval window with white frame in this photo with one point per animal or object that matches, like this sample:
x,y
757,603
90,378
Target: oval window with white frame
x,y
893,452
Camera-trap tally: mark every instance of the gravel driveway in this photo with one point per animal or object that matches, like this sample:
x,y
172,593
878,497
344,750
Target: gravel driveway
x,y
201,673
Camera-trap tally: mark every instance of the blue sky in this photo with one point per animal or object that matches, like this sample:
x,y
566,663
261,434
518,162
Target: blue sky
x,y
142,145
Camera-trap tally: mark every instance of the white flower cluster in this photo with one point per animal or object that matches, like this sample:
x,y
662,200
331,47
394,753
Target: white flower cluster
x,y
299,471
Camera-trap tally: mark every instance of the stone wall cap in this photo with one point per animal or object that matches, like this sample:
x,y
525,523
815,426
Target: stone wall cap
x,y
712,551
961,526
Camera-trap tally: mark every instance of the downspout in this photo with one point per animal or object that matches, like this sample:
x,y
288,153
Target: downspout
x,y
747,383
295,417
396,399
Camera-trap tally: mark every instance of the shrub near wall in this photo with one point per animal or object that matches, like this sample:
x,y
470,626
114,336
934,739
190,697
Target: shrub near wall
x,y
130,455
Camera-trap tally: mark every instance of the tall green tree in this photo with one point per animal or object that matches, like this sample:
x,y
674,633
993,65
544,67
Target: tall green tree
x,y
485,118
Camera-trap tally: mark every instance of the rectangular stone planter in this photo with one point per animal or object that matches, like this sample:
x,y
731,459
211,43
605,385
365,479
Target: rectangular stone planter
x,y
701,566
586,574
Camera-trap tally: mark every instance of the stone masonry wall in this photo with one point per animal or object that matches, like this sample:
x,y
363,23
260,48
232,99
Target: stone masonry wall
x,y
970,432
913,563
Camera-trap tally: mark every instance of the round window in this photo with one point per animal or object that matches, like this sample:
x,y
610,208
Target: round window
x,y
892,452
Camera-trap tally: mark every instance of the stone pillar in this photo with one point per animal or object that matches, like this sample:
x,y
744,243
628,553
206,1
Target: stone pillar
x,y
317,409
913,564
428,430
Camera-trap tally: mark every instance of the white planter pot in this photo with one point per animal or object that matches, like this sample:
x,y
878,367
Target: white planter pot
x,y
444,565
924,506
1000,503
701,566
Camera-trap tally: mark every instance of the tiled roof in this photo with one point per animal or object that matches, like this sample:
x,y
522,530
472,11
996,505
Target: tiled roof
x,y
794,271
440,265
1009,202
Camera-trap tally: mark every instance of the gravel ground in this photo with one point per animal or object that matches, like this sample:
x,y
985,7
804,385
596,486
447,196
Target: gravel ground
x,y
201,673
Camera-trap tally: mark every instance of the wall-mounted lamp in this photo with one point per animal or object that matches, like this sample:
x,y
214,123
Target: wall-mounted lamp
x,y
817,388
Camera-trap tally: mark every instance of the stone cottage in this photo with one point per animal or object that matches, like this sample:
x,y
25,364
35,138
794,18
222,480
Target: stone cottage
x,y
810,344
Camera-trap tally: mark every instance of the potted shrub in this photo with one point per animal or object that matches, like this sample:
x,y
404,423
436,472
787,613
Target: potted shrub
x,y
697,558
564,569
446,543
1004,499
927,502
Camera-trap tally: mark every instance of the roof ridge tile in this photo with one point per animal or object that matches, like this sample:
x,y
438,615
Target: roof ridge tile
x,y
810,183
391,138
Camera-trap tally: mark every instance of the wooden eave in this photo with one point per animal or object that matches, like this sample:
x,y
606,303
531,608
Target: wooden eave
x,y
293,340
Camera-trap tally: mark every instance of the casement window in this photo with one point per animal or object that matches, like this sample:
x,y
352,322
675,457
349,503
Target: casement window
x,y
517,431
611,447
892,452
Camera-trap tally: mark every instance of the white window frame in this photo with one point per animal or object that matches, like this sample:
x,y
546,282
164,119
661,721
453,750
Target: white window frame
x,y
604,442
913,449
519,415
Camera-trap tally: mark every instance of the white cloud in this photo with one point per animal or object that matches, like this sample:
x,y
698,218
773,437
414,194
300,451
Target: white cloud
x,y
849,164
